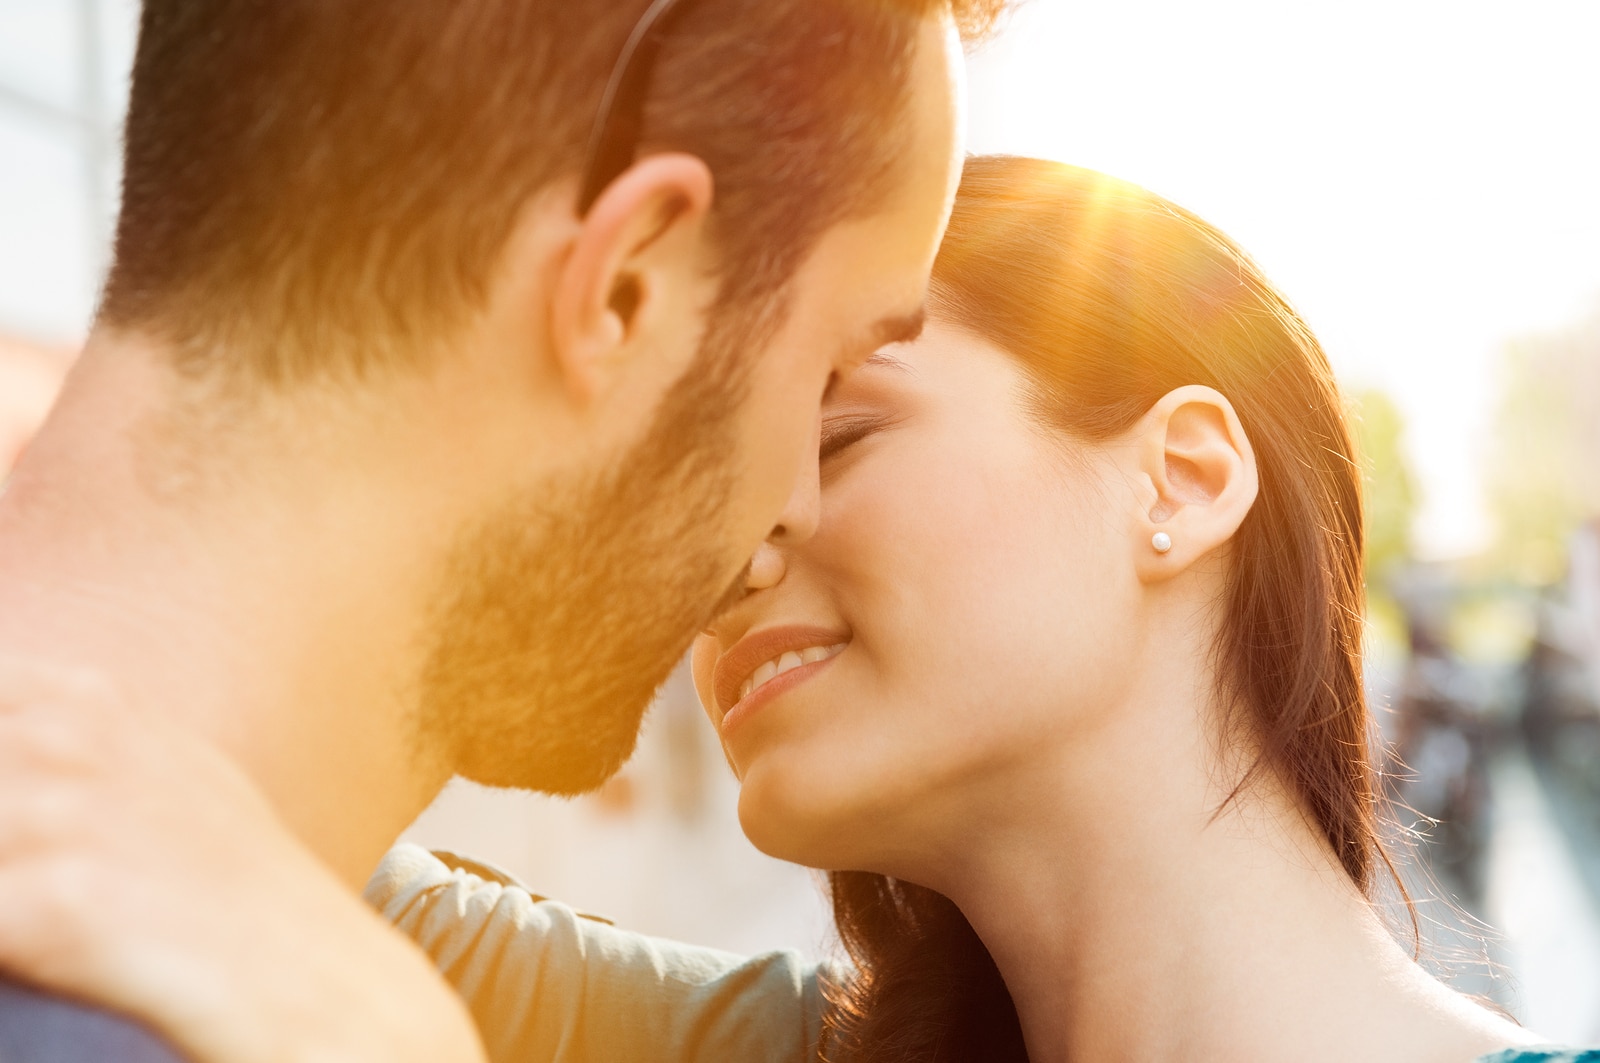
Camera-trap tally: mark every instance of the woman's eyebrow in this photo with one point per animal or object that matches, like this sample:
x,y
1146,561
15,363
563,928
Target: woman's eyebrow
x,y
886,360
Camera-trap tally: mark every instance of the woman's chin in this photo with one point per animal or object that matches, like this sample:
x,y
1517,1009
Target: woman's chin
x,y
796,821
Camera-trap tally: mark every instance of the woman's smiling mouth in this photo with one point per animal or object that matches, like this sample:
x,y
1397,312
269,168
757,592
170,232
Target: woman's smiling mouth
x,y
788,661
763,664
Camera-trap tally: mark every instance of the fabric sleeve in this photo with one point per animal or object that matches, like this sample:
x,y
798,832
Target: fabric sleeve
x,y
548,984
39,1028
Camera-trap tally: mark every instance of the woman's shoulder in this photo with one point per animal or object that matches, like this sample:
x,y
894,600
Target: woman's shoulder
x,y
1543,1055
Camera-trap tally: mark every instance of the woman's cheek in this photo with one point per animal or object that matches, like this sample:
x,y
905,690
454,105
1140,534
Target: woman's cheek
x,y
967,512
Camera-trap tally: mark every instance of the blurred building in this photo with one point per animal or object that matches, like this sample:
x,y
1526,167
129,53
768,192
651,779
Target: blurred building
x,y
63,74
1583,594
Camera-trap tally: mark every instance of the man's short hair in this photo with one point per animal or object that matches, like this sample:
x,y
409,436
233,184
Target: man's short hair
x,y
328,184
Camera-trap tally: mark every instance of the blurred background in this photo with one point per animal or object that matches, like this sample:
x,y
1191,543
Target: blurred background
x,y
1420,177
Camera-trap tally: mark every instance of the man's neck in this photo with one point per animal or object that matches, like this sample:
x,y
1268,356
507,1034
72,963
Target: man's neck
x,y
246,607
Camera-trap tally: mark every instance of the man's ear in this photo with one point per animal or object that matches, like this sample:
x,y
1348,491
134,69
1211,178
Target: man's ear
x,y
636,252
1193,452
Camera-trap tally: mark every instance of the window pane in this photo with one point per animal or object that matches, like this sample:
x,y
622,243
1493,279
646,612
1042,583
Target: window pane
x,y
48,267
39,47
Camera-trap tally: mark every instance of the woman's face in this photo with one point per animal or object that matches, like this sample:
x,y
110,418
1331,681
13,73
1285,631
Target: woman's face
x,y
963,614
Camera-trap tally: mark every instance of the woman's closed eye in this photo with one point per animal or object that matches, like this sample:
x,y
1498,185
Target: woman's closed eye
x,y
841,433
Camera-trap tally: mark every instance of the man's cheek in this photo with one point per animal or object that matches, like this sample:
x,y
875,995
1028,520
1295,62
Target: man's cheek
x,y
702,662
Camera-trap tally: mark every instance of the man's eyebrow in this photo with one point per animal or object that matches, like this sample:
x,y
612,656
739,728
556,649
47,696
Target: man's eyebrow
x,y
901,329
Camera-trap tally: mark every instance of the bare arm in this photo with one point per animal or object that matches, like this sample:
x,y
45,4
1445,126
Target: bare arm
x,y
141,870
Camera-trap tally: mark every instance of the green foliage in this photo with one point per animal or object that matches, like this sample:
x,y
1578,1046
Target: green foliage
x,y
1391,500
1544,473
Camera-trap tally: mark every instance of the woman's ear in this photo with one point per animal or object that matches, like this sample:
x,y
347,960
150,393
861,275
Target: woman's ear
x,y
638,250
1194,453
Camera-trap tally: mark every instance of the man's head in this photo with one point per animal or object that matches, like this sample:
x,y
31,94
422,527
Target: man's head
x,y
358,196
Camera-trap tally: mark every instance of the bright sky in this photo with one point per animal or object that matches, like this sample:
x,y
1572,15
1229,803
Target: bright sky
x,y
1422,178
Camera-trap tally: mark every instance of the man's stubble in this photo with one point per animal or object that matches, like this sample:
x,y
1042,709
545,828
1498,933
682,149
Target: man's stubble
x,y
563,613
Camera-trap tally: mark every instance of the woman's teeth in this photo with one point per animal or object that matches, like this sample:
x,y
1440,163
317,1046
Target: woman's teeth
x,y
786,662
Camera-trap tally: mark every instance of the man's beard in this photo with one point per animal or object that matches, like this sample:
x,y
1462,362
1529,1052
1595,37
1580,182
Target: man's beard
x,y
564,613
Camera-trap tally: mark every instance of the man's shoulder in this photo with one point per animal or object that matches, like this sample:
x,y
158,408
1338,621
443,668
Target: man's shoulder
x,y
39,1028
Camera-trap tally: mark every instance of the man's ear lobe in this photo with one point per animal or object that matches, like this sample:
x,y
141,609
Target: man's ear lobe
x,y
635,248
1198,459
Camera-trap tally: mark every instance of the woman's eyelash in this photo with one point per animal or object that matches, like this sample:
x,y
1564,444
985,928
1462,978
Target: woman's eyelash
x,y
843,433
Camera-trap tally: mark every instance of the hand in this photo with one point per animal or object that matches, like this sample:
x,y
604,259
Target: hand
x,y
141,870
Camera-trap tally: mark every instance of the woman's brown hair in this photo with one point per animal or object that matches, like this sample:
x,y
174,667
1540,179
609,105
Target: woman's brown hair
x,y
1109,296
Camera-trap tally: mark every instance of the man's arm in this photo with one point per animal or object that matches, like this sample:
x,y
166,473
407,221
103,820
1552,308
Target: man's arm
x,y
547,984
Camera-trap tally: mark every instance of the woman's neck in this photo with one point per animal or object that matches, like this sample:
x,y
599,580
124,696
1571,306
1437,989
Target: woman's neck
x,y
1140,915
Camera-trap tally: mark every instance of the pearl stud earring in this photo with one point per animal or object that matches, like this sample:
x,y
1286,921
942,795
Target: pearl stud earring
x,y
1161,541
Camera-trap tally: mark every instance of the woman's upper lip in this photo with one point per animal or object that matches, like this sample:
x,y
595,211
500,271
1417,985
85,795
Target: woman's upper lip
x,y
745,656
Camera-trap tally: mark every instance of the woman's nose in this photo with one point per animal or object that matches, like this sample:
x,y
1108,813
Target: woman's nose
x,y
767,566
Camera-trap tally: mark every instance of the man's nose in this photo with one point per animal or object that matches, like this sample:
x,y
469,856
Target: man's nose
x,y
796,524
